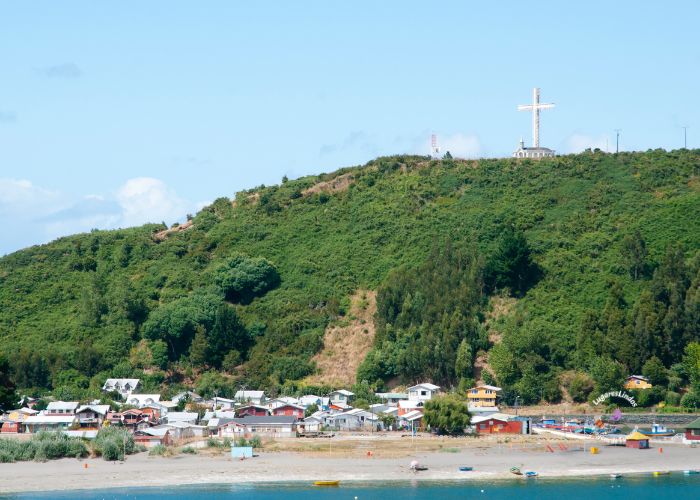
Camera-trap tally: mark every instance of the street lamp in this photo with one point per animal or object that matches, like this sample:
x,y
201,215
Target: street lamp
x,y
516,404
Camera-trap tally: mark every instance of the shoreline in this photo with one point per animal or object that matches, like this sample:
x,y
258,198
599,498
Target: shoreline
x,y
491,463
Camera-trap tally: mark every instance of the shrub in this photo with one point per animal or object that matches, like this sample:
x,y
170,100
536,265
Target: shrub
x,y
213,443
255,442
672,398
112,442
157,451
189,450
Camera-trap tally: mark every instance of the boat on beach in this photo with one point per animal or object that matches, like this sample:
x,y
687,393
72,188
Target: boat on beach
x,y
531,473
661,473
690,472
516,471
615,475
658,430
326,483
466,468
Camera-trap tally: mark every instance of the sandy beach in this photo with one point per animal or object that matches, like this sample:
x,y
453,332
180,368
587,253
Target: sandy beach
x,y
491,460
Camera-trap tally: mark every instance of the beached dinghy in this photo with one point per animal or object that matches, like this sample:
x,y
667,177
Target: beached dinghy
x,y
531,473
691,472
661,473
466,469
615,475
326,483
516,471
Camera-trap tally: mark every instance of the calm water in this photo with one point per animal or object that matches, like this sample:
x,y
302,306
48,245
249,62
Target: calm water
x,y
675,487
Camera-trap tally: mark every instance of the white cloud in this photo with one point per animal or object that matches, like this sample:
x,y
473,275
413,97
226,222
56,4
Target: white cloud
x,y
33,214
459,145
145,199
580,142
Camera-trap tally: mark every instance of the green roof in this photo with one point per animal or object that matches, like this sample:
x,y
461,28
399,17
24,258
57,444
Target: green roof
x,y
695,424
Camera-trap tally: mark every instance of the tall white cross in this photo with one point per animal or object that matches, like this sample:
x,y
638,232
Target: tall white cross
x,y
535,107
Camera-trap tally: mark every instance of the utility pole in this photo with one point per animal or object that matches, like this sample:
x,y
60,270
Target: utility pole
x,y
617,140
685,136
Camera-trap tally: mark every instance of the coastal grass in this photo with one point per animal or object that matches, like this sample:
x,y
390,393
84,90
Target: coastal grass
x,y
112,443
41,447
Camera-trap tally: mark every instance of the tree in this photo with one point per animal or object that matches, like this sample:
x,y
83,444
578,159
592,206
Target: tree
x,y
511,265
199,349
310,410
464,362
227,333
607,374
655,371
243,278
634,254
8,397
446,415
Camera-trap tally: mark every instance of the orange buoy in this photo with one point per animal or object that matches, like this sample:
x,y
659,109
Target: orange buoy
x,y
661,450
85,465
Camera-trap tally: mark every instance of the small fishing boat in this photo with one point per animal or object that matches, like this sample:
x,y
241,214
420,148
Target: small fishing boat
x,y
690,472
658,430
661,473
615,475
466,468
531,473
326,483
516,471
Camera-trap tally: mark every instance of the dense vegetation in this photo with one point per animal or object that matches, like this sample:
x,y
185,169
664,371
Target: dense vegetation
x,y
600,251
41,447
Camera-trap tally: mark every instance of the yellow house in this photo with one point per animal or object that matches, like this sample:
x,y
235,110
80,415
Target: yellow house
x,y
483,395
637,382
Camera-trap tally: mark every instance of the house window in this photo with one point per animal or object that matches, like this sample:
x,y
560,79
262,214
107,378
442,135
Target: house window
x,y
423,393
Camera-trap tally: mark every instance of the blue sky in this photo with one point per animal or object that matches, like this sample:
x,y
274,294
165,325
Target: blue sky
x,y
118,113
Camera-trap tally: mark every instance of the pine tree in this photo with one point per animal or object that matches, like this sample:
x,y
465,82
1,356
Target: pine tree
x,y
634,254
199,349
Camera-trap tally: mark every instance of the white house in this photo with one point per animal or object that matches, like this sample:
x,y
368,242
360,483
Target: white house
x,y
187,417
355,419
141,400
91,415
341,396
255,397
310,399
36,423
61,408
190,396
391,398
422,392
121,385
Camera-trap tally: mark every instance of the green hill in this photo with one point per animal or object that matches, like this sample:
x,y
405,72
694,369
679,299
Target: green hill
x,y
600,252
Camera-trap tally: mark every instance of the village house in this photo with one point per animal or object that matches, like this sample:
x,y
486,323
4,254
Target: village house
x,y
59,408
91,416
226,427
44,422
692,431
141,400
123,386
134,419
253,397
221,403
412,420
189,396
281,401
187,417
12,422
314,422
151,437
311,399
483,395
252,410
355,419
341,397
270,426
637,382
499,423
289,410
407,405
422,392
391,398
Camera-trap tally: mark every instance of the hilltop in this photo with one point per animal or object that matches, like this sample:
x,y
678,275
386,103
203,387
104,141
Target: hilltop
x,y
524,273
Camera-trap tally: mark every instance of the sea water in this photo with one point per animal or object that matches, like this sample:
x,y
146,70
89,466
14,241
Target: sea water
x,y
675,486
